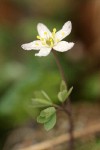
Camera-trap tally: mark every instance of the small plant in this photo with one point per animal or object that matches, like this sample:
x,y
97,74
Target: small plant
x,y
50,42
48,113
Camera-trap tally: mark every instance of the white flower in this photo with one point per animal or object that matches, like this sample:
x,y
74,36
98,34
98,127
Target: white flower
x,y
50,40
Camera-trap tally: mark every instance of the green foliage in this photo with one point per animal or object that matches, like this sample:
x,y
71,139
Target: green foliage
x,y
69,91
41,100
42,94
46,96
47,117
62,96
37,102
64,93
63,86
50,123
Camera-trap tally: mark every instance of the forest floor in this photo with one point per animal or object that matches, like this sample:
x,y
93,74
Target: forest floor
x,y
84,115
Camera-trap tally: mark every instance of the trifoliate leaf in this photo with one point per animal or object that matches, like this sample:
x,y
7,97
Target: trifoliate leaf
x,y
48,117
37,102
50,124
63,86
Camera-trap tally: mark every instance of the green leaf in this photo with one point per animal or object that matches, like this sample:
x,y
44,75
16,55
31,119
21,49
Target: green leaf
x,y
48,117
46,96
62,96
42,95
50,124
47,112
63,86
42,119
69,91
37,102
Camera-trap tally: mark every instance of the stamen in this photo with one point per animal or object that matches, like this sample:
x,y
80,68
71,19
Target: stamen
x,y
51,40
38,37
43,43
54,30
42,39
53,33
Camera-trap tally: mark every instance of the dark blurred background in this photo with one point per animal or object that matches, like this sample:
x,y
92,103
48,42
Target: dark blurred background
x,y
21,73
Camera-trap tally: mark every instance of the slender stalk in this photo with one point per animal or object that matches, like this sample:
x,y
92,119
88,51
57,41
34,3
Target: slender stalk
x,y
59,66
68,109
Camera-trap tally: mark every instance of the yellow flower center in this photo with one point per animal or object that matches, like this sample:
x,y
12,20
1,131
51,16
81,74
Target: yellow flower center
x,y
48,40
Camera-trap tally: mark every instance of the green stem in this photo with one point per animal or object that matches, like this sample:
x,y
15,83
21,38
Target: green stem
x,y
68,109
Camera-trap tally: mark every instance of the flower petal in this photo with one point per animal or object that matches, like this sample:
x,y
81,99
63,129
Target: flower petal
x,y
65,31
63,46
36,45
43,30
43,52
